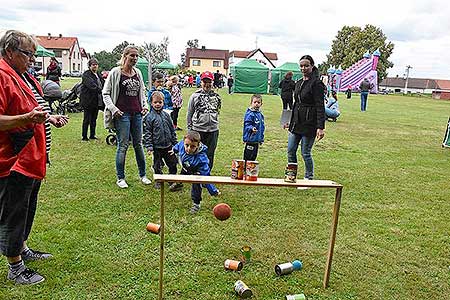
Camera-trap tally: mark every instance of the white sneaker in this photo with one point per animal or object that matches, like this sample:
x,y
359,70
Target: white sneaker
x,y
122,183
145,180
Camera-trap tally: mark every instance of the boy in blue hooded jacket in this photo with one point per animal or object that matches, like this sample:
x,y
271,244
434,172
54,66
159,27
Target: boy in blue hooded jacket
x,y
194,161
253,132
158,85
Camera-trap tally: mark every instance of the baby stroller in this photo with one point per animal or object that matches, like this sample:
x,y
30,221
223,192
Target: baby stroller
x,y
69,99
52,94
61,102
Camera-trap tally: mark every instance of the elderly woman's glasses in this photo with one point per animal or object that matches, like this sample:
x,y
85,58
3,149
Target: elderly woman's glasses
x,y
27,53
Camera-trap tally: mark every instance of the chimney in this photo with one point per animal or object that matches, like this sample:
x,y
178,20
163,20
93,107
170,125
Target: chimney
x,y
203,48
49,36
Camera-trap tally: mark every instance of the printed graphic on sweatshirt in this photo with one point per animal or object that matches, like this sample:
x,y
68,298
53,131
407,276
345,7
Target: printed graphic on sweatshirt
x,y
208,103
131,86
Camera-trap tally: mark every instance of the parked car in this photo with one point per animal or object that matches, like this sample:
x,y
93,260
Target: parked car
x,y
65,74
75,74
386,92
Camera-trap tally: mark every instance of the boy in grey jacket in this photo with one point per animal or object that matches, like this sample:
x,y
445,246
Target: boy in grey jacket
x,y
160,137
203,114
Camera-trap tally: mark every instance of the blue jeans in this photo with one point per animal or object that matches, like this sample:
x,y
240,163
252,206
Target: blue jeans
x,y
364,96
330,113
130,124
307,144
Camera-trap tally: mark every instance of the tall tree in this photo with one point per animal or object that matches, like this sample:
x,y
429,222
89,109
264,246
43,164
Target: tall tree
x,y
106,60
190,44
156,53
118,50
352,42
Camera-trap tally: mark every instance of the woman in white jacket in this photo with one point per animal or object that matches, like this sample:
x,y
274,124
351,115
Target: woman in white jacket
x,y
125,106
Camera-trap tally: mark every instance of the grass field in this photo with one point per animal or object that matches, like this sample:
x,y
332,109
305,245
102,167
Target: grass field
x,y
393,239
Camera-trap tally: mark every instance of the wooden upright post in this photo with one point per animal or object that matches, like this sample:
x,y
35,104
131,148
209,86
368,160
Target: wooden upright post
x,y
161,247
334,224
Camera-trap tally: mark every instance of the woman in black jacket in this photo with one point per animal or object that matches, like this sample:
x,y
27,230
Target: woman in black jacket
x,y
287,86
91,98
307,120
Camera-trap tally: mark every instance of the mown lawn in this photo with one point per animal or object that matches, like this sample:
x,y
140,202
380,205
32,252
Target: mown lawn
x,y
393,238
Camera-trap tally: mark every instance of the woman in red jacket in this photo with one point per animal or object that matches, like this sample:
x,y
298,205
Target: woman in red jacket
x,y
22,152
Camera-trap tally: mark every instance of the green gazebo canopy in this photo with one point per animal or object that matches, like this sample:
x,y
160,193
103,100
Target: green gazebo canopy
x,y
250,77
165,65
277,75
42,52
142,65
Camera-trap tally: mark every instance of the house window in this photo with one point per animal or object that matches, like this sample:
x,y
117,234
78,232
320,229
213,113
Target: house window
x,y
78,55
79,67
216,63
196,62
58,53
73,66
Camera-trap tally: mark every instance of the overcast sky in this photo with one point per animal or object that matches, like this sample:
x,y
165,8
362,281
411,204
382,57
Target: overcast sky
x,y
419,29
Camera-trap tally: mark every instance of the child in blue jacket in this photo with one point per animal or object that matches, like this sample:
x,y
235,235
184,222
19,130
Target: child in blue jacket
x,y
194,161
253,132
158,85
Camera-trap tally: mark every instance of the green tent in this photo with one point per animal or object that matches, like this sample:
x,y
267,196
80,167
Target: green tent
x,y
165,65
446,141
279,73
42,52
250,77
142,65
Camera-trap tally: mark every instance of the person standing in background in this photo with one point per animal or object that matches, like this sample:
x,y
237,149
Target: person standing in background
x,y
230,83
197,80
53,71
177,100
349,92
365,86
91,99
287,86
216,83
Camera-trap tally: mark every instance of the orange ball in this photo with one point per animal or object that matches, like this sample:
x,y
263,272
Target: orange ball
x,y
222,211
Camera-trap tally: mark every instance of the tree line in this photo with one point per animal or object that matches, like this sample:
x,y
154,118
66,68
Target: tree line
x,y
153,52
349,46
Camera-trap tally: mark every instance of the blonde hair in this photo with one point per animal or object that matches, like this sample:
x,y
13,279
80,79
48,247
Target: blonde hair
x,y
174,78
125,52
157,94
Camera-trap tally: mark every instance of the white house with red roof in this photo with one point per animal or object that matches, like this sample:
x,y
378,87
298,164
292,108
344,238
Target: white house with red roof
x,y
71,57
268,59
